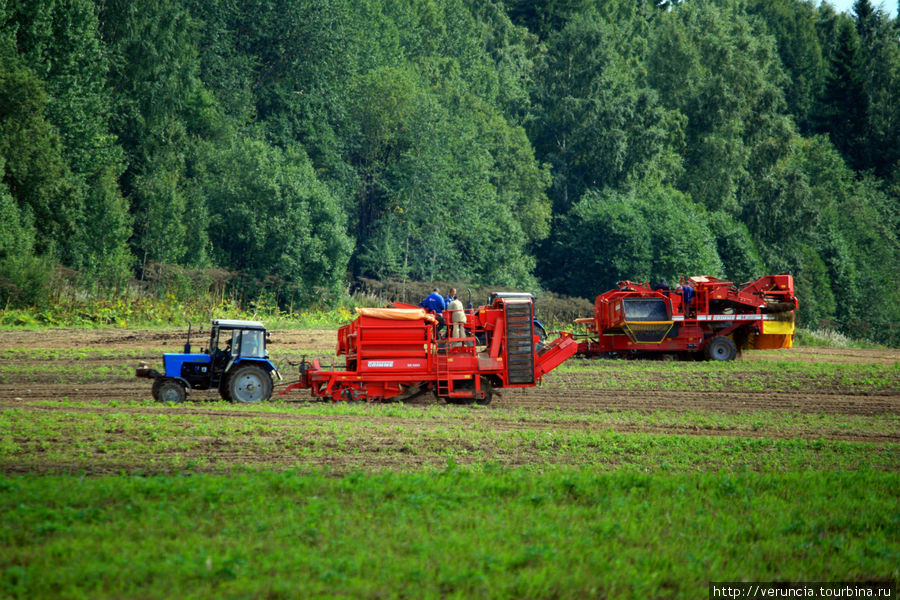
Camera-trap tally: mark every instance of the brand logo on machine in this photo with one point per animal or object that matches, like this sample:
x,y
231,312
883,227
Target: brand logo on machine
x,y
380,363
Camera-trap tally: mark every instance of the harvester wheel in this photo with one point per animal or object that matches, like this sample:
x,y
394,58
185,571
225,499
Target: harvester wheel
x,y
488,390
720,348
170,390
249,384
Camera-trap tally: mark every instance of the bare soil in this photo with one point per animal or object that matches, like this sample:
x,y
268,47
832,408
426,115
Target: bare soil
x,y
42,379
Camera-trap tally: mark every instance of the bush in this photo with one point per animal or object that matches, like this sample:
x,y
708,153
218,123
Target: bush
x,y
25,281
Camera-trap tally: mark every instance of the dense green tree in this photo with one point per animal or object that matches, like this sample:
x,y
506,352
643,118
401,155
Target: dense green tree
x,y
16,230
544,17
456,197
880,52
721,71
302,143
641,236
273,221
160,109
598,126
845,103
86,222
849,252
793,24
35,174
736,248
514,54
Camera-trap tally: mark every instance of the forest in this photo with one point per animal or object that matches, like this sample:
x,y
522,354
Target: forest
x,y
290,147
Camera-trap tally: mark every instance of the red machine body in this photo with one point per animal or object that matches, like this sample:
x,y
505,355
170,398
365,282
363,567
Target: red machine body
x,y
719,320
394,353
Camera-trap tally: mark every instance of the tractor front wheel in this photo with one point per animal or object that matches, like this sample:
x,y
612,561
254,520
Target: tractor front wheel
x,y
170,390
155,390
721,348
249,384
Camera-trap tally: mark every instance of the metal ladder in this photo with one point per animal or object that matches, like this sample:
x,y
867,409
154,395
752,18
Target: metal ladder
x,y
443,374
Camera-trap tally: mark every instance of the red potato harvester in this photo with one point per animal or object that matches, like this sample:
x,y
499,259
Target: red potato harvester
x,y
395,353
717,321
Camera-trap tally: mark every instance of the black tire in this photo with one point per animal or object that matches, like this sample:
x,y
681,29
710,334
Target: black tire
x,y
155,390
488,390
720,348
224,393
171,391
248,384
486,387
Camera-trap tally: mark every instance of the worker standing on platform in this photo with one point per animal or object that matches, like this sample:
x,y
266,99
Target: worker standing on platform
x,y
687,295
457,319
436,305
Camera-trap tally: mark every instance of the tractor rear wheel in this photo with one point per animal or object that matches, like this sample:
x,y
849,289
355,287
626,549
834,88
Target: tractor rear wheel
x,y
249,384
170,390
720,348
224,393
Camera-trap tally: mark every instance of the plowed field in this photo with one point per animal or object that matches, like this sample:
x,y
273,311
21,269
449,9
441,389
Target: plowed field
x,y
68,389
632,479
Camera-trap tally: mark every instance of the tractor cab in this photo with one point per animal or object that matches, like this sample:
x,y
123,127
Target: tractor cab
x,y
231,340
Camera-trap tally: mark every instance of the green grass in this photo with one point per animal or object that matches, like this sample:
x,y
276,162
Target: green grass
x,y
126,498
200,438
757,375
781,422
449,532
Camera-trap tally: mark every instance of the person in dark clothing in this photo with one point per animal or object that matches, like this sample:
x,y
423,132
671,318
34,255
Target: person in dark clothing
x,y
687,295
436,305
661,285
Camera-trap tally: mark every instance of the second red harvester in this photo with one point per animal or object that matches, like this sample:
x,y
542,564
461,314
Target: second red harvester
x,y
716,321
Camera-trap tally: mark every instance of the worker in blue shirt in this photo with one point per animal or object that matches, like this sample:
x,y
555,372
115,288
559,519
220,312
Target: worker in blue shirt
x,y
687,294
435,304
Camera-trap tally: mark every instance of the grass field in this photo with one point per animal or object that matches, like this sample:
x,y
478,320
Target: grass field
x,y
614,479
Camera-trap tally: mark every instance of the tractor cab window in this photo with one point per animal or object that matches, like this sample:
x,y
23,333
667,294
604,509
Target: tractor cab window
x,y
222,340
250,342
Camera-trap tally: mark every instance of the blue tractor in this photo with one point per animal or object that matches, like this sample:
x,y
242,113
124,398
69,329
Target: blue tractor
x,y
236,364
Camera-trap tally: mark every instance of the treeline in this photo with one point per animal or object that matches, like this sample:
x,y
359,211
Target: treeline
x,y
560,144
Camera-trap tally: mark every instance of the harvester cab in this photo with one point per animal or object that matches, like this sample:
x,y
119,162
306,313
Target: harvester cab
x,y
236,364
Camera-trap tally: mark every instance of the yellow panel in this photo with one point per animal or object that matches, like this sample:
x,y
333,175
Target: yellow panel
x,y
771,342
778,327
